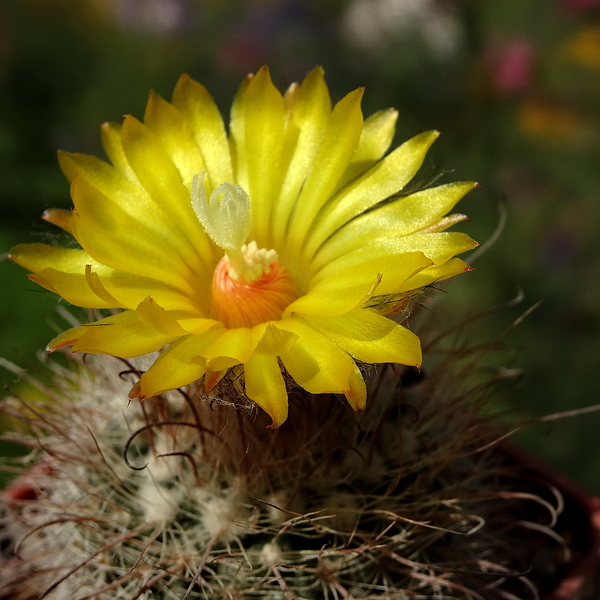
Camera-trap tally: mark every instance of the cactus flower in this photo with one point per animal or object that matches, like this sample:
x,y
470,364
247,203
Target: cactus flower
x,y
281,247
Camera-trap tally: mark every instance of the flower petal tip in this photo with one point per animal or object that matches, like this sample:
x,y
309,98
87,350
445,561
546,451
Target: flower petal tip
x,y
276,423
50,348
211,379
60,217
136,392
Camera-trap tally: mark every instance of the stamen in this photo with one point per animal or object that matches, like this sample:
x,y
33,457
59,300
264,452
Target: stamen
x,y
258,262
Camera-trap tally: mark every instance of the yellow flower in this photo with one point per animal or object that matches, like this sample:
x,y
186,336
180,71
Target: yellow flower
x,y
276,247
583,47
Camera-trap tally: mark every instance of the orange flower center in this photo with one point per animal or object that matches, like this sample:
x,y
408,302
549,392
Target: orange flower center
x,y
237,302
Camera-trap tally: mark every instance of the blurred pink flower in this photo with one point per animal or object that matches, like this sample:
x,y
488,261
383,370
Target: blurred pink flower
x,y
511,65
241,52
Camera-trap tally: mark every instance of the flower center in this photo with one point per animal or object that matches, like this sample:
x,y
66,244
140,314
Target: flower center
x,y
249,284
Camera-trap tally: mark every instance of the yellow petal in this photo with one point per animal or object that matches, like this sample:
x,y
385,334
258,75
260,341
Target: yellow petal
x,y
369,337
66,338
179,364
73,288
98,288
129,195
35,257
401,217
192,324
387,177
269,340
206,123
264,121
332,300
394,268
439,247
231,348
455,266
169,126
110,134
265,386
67,279
338,288
314,362
337,146
356,394
445,222
309,116
127,289
289,97
117,240
121,335
349,281
375,139
160,177
60,217
237,136
62,271
154,315
211,378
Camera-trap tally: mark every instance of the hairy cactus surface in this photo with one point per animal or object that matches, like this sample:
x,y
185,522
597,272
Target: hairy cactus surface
x,y
189,495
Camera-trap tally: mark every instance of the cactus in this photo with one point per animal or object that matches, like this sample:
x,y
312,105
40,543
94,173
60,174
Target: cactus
x,y
189,495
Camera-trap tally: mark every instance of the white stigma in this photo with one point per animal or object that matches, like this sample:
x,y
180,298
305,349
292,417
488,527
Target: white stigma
x,y
225,217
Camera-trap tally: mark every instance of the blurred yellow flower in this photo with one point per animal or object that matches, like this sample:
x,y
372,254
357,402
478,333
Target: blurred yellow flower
x,y
550,122
583,47
279,247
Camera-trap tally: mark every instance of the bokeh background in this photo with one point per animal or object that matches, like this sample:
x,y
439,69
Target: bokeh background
x,y
514,87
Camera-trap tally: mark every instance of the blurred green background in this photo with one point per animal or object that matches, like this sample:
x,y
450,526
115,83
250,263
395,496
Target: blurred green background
x,y
514,87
